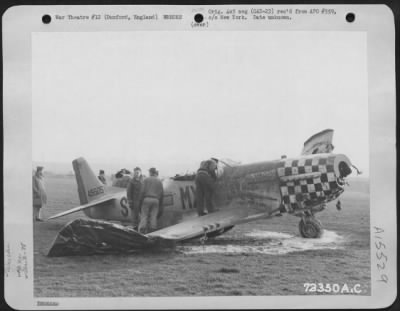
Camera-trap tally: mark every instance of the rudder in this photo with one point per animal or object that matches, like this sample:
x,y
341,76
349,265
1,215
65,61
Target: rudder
x,y
89,186
319,143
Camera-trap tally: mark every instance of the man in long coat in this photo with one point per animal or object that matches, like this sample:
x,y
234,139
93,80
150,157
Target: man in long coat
x,y
39,193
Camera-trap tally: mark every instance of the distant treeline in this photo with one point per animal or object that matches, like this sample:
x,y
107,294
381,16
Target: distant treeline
x,y
359,184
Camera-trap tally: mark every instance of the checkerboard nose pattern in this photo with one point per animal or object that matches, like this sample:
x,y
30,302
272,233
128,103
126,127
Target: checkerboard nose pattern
x,y
308,181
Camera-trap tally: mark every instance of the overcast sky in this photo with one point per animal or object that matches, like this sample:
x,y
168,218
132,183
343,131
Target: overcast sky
x,y
172,99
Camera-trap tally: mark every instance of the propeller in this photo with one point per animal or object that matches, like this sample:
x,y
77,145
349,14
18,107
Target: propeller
x,y
358,171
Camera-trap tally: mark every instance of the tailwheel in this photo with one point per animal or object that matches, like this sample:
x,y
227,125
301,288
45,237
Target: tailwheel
x,y
310,227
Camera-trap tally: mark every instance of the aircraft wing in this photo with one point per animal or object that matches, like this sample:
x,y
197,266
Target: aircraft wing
x,y
84,206
206,224
90,236
319,143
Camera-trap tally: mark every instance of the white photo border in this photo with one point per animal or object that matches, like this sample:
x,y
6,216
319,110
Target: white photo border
x,y
19,22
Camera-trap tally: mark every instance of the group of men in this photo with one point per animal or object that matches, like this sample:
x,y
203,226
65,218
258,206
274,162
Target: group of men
x,y
145,195
145,198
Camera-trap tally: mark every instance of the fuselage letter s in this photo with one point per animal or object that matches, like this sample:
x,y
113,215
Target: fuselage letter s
x,y
124,207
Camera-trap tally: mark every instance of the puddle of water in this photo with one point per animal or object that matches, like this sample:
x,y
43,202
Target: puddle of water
x,y
274,243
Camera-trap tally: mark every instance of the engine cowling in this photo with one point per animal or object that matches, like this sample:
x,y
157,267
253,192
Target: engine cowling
x,y
312,180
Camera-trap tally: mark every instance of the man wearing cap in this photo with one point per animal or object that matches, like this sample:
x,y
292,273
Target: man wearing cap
x,y
151,201
205,185
133,195
39,193
102,177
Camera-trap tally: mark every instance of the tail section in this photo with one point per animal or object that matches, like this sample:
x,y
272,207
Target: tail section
x,y
89,186
319,143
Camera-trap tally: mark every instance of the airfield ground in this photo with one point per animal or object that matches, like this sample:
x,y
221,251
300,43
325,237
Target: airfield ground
x,y
179,273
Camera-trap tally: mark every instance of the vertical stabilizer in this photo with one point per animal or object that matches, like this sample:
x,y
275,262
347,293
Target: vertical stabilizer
x,y
89,186
319,143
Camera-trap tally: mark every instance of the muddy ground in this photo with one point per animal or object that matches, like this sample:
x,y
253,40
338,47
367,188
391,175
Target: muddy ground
x,y
261,258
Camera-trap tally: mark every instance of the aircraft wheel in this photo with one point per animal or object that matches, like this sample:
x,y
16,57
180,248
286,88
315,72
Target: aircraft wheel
x,y
310,228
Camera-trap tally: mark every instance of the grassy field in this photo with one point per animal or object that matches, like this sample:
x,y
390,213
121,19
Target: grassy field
x,y
176,273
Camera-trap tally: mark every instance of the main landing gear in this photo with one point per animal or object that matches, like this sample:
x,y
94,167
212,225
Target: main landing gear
x,y
310,227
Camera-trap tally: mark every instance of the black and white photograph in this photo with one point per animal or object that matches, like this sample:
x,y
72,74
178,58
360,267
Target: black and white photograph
x,y
201,154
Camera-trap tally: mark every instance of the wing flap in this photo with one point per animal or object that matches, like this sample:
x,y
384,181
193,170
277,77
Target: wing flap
x,y
82,207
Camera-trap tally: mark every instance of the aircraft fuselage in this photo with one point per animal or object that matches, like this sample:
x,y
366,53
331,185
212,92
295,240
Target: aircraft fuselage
x,y
297,185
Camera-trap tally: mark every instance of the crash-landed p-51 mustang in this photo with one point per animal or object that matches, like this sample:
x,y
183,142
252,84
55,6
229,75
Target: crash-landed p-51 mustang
x,y
244,192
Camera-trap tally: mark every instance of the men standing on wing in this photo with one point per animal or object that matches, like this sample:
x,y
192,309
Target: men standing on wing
x,y
102,177
151,202
133,195
206,178
39,193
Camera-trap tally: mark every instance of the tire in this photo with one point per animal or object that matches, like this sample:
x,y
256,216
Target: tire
x,y
310,228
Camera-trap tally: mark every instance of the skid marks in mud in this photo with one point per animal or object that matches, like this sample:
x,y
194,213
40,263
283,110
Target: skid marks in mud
x,y
266,242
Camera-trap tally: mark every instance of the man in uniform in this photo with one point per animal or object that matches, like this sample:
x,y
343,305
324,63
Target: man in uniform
x,y
205,186
133,195
102,177
151,201
39,193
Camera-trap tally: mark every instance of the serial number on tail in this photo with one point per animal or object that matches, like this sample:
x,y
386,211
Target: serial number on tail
x,y
96,191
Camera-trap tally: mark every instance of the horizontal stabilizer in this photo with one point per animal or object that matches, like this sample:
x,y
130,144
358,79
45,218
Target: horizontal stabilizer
x,y
82,207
